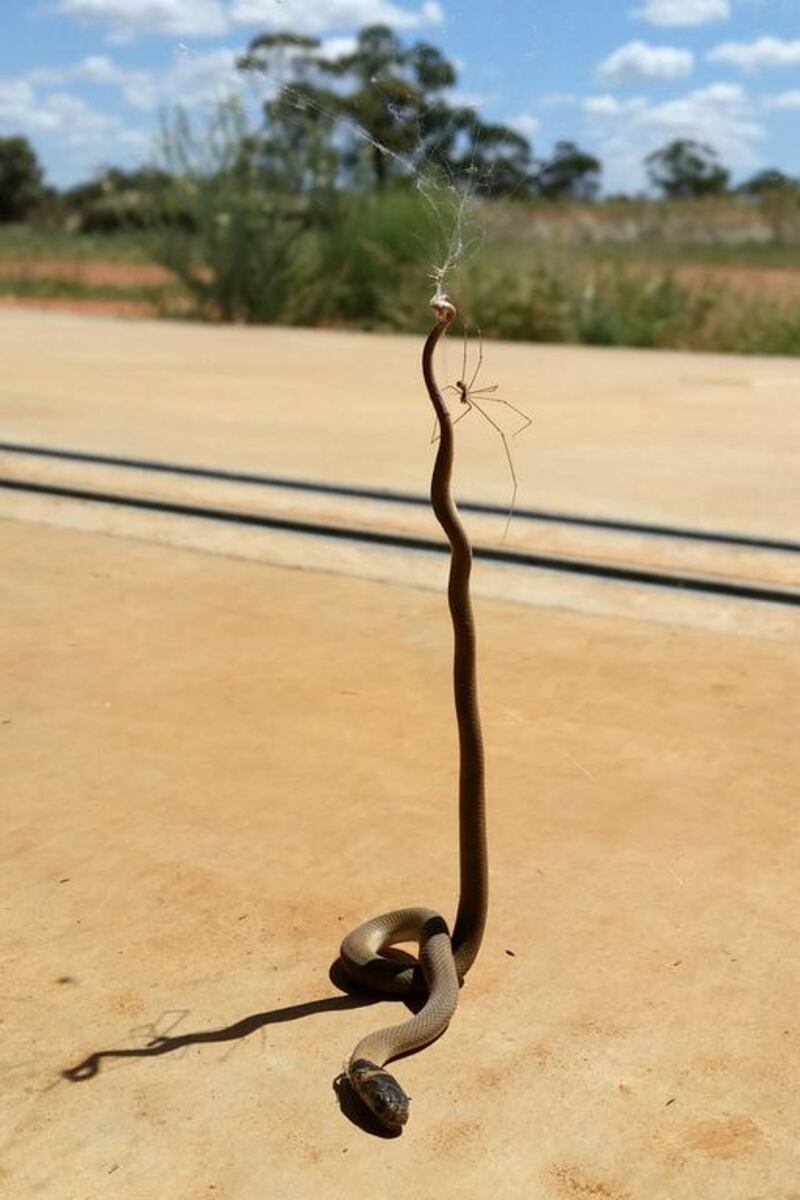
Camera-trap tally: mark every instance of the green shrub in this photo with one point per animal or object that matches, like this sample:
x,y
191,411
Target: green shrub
x,y
619,308
370,260
240,252
533,307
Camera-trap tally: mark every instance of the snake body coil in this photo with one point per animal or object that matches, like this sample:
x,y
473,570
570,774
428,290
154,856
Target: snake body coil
x,y
443,960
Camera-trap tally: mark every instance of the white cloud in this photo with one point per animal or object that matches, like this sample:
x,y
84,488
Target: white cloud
x,y
17,105
335,47
556,99
45,75
637,61
683,12
763,52
783,100
78,123
464,99
59,112
192,79
721,114
315,16
610,106
526,124
97,68
125,19
66,128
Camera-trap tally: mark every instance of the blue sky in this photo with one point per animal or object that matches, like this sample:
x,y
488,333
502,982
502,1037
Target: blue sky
x,y
85,79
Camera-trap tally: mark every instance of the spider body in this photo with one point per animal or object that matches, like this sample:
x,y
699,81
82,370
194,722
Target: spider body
x,y
471,397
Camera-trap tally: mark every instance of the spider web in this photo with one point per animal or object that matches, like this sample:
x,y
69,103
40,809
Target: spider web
x,y
452,198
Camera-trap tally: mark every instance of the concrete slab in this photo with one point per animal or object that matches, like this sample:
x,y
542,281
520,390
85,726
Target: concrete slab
x,y
651,440
705,440
212,768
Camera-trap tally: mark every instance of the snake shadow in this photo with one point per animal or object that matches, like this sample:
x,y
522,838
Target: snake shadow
x,y
352,997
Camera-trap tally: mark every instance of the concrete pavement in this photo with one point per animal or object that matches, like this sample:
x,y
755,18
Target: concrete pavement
x,y
212,767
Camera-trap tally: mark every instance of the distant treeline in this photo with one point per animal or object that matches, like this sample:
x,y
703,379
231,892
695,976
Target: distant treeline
x,y
361,180
372,119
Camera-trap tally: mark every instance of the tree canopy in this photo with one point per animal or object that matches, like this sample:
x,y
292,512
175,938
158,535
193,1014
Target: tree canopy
x,y
684,169
375,114
767,181
21,185
570,173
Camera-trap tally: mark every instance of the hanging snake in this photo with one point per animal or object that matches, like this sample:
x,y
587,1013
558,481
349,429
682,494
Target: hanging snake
x,y
443,960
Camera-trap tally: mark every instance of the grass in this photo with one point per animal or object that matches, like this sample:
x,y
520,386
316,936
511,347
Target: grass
x,y
75,289
753,255
32,242
611,306
615,274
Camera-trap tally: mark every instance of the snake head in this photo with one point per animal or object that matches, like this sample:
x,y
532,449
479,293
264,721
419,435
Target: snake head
x,y
381,1093
443,306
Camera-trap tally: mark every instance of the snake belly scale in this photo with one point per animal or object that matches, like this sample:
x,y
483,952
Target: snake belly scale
x,y
443,959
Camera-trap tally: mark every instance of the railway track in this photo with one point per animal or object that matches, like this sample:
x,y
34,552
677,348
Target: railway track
x,y
721,563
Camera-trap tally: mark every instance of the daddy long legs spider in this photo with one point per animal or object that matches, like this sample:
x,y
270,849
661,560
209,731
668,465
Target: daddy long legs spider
x,y
471,397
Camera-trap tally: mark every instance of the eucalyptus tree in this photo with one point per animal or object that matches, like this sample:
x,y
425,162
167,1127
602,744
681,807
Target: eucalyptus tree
x,y
685,169
376,113
570,173
21,178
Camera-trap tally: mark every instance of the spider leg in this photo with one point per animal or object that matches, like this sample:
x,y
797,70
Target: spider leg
x,y
504,439
453,421
499,400
479,364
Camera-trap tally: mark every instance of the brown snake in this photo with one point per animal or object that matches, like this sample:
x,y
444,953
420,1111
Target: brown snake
x,y
443,961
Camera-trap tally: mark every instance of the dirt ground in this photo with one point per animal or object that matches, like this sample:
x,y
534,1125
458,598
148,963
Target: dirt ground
x,y
779,284
776,283
86,270
85,305
213,767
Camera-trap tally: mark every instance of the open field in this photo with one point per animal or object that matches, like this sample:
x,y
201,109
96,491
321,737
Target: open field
x,y
721,275
114,285
224,744
30,243
112,275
